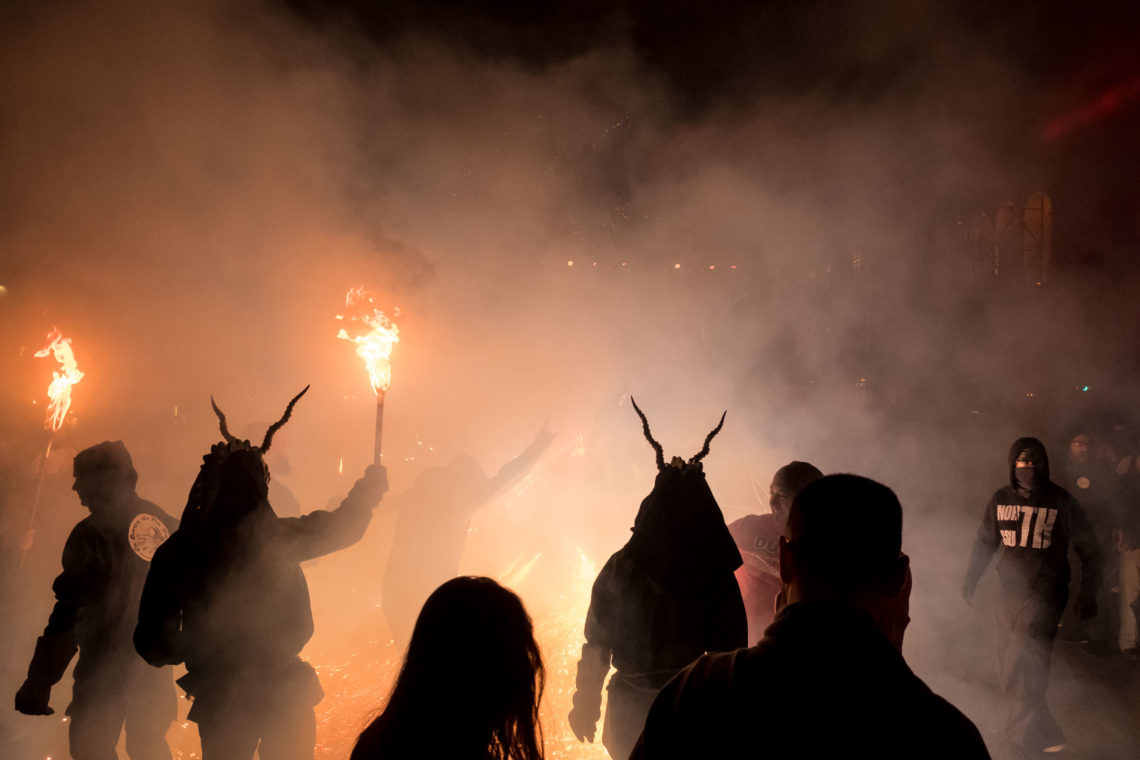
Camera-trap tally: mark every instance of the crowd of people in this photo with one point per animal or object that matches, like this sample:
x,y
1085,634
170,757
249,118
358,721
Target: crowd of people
x,y
1103,473
220,591
726,640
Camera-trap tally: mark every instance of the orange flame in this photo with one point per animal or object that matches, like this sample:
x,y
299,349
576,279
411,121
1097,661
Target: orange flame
x,y
375,346
60,389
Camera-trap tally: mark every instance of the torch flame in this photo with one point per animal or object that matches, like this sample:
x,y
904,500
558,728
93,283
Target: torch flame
x,y
60,389
374,347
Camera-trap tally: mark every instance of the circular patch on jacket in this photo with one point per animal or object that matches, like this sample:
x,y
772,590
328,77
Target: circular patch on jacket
x,y
1083,482
146,534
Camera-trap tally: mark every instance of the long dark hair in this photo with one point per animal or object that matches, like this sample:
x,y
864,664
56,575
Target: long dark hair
x,y
470,683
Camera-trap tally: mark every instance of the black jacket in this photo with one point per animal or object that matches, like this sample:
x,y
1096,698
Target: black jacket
x,y
245,603
105,561
1033,531
668,596
823,682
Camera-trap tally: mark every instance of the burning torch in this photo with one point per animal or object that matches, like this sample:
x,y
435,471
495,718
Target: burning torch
x,y
373,346
59,395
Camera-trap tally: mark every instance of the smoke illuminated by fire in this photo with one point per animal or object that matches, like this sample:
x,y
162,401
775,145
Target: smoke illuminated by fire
x,y
357,669
375,346
59,391
200,214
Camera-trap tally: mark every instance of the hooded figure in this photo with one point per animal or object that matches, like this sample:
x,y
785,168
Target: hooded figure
x,y
1032,520
226,596
668,596
105,561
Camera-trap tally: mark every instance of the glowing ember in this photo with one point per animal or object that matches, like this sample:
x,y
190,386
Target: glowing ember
x,y
68,375
374,346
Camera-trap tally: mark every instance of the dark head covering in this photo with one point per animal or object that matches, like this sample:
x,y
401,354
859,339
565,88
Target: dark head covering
x,y
1035,450
794,476
679,536
221,470
233,479
109,458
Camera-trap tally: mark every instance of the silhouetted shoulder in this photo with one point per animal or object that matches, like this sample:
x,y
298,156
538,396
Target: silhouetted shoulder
x,y
823,682
961,736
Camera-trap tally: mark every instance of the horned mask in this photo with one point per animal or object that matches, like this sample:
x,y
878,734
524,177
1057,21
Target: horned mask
x,y
679,536
232,453
694,461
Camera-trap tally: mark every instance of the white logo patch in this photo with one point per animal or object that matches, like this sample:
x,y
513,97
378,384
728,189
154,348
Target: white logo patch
x,y
146,534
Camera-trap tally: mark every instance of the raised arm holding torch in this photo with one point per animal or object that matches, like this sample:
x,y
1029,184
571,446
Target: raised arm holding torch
x,y
374,347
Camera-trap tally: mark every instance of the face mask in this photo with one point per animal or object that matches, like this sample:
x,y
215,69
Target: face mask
x,y
1026,478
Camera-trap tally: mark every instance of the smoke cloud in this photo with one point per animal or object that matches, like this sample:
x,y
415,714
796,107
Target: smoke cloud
x,y
188,192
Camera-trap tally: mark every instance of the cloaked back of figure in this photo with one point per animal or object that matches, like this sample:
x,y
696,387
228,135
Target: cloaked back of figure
x,y
223,593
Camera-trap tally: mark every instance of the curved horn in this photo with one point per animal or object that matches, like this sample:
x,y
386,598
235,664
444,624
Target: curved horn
x,y
222,419
649,436
705,450
277,425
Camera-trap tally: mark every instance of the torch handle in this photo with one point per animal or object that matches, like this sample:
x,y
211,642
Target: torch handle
x,y
379,427
36,499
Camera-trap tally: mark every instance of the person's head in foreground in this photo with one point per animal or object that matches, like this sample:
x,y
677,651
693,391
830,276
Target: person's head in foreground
x,y
470,683
843,542
822,682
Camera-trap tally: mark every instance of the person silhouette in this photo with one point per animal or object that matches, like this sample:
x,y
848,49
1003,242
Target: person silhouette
x,y
662,600
1030,525
470,684
758,537
226,595
826,680
105,561
432,521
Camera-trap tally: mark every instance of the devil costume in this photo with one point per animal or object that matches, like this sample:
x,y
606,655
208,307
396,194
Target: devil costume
x,y
226,595
105,561
1033,520
667,597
